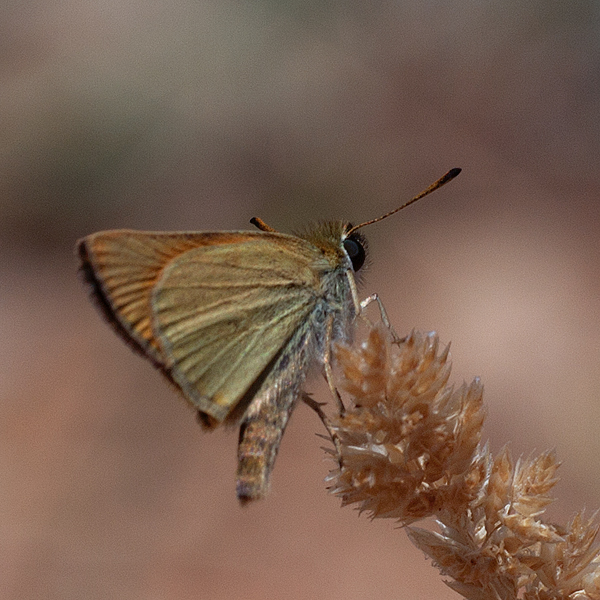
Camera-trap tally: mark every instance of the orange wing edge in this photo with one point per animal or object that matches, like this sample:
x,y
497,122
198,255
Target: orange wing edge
x,y
100,298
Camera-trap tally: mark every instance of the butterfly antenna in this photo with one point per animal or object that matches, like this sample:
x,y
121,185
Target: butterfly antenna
x,y
260,224
451,174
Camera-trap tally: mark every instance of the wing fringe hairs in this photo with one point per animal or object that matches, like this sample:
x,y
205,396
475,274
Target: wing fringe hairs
x,y
410,448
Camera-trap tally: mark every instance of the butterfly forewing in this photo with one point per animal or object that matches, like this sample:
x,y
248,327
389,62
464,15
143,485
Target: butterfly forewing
x,y
123,267
212,319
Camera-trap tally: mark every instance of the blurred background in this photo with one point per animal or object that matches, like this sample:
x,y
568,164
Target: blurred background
x,y
201,114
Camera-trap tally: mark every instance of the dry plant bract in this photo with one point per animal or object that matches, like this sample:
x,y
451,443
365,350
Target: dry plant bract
x,y
409,448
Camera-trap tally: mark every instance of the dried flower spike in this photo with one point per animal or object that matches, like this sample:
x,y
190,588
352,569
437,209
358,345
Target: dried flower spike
x,y
409,440
409,448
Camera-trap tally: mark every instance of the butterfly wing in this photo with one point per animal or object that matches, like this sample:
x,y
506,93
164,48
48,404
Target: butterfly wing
x,y
211,310
122,268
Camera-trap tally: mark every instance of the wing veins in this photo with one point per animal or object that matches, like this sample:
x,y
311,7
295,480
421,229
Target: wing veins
x,y
255,331
219,311
220,286
262,268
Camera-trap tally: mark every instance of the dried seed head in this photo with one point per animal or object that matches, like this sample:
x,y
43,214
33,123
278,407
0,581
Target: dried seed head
x,y
408,436
409,448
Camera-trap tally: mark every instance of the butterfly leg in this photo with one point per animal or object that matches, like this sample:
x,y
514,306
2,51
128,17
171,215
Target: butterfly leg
x,y
327,366
396,339
316,406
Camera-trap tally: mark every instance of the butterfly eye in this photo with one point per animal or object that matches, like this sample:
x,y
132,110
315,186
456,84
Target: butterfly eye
x,y
353,245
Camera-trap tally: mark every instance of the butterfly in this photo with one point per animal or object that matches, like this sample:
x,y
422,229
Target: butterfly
x,y
234,319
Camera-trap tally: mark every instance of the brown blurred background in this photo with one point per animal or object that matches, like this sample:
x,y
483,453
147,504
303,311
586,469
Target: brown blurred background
x,y
201,114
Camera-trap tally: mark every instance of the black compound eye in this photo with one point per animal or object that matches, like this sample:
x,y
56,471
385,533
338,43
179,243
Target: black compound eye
x,y
354,246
